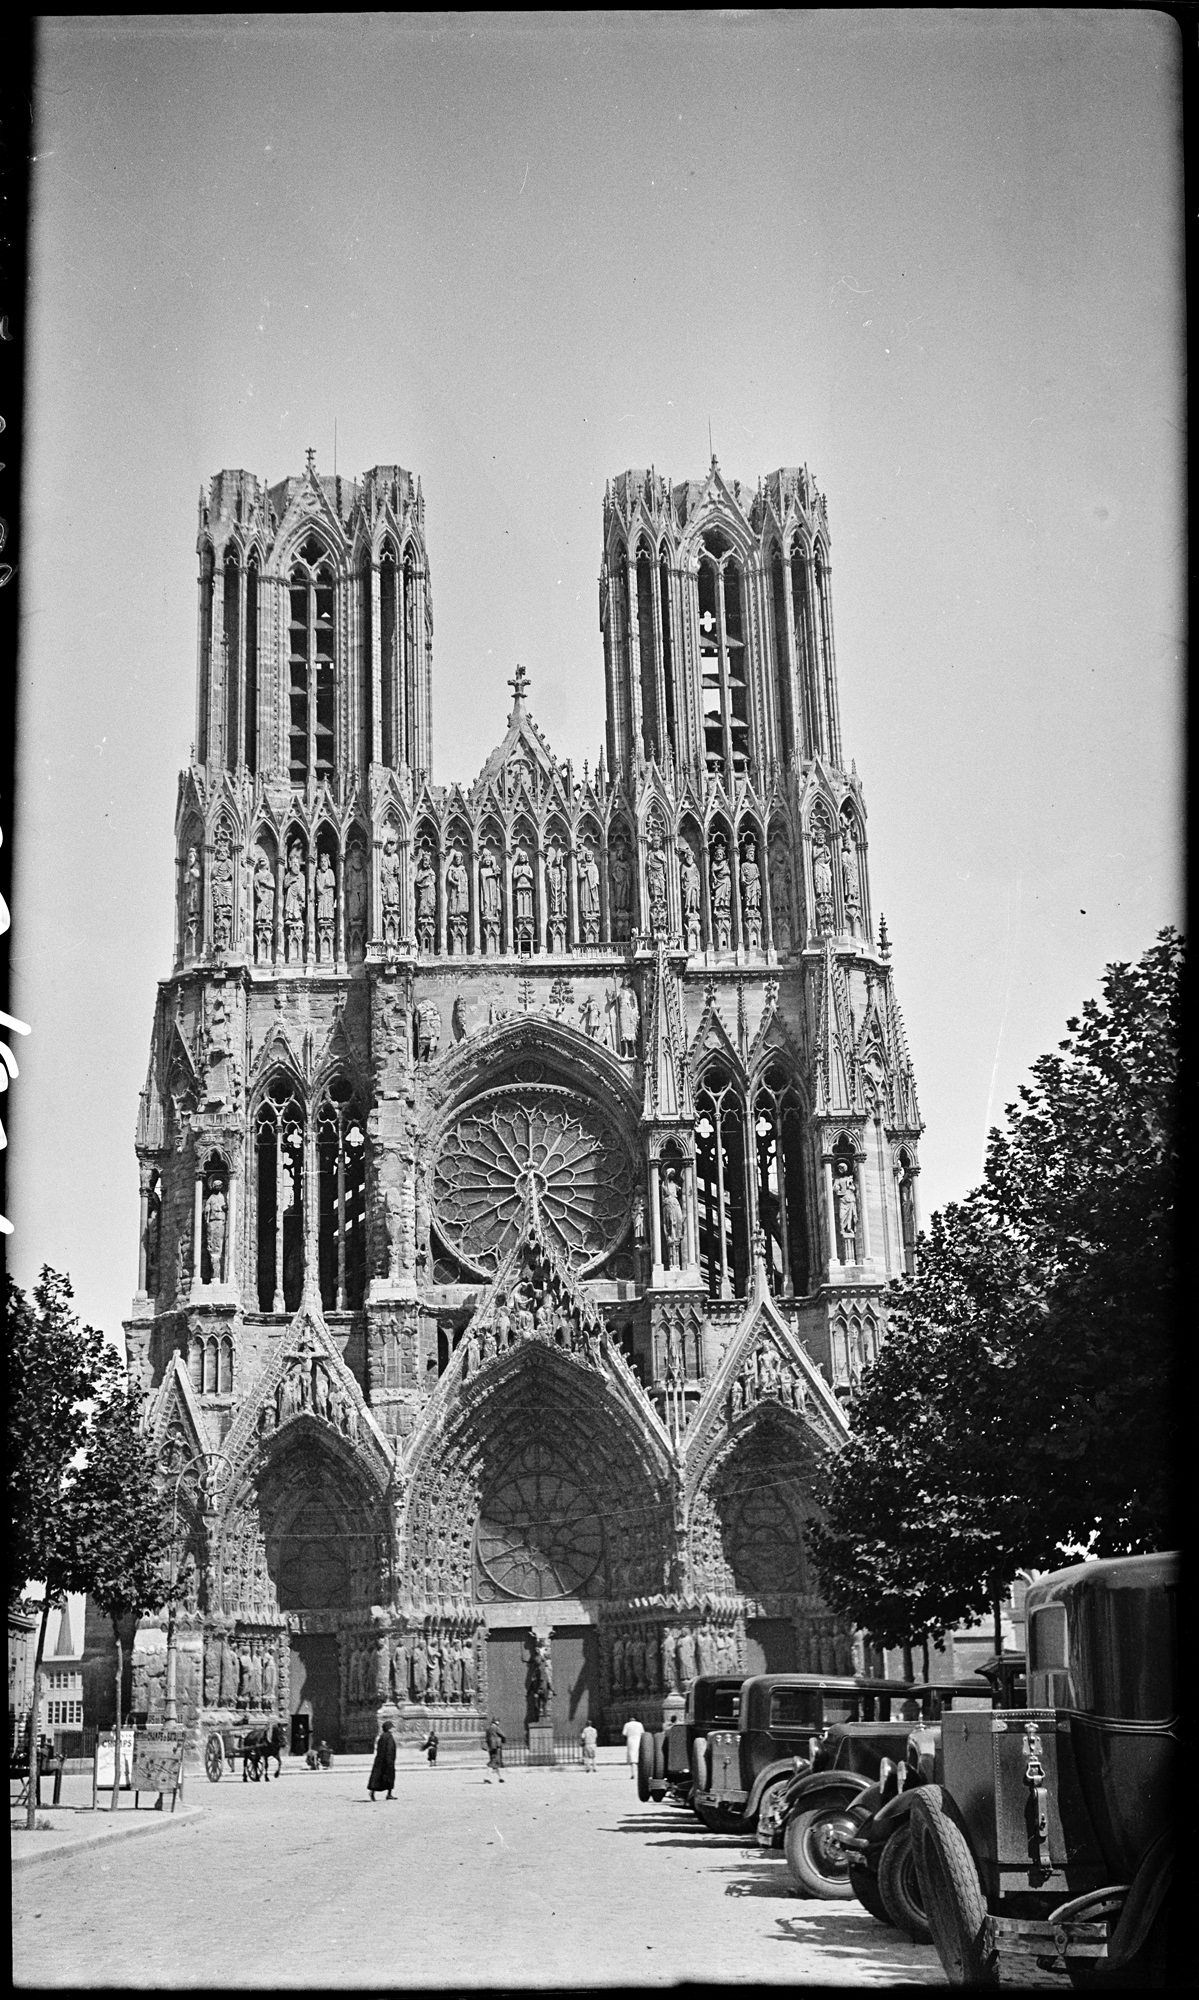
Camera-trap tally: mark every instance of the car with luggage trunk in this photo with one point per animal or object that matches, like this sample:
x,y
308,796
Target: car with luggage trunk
x,y
664,1756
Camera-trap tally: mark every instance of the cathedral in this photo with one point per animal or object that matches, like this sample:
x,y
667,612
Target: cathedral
x,y
523,1160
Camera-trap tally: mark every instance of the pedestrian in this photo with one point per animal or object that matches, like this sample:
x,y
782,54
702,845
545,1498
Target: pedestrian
x,y
383,1770
632,1732
589,1738
494,1738
430,1745
324,1756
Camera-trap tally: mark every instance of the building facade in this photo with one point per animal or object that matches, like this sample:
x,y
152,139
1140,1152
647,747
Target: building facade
x,y
523,1162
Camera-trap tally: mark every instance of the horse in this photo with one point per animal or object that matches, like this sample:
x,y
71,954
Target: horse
x,y
258,1747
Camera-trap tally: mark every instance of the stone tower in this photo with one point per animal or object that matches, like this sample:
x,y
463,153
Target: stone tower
x,y
523,1162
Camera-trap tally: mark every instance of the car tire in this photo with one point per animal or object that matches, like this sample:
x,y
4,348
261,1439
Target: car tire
x,y
899,1887
954,1904
659,1748
770,1798
814,1867
645,1767
699,1763
863,1880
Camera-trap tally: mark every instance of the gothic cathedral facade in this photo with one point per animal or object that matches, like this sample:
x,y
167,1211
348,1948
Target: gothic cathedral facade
x,y
523,1162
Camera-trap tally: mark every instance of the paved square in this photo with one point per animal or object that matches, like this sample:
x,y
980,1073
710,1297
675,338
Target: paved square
x,y
553,1878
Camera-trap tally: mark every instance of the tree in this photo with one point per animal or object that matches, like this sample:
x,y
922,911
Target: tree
x,y
119,1525
1021,1407
56,1368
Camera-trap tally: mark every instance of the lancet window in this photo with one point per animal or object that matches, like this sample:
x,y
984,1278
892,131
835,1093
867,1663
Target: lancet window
x,y
720,1186
778,1142
207,574
250,735
232,651
312,653
783,706
341,1160
722,652
389,652
648,661
279,1150
210,1364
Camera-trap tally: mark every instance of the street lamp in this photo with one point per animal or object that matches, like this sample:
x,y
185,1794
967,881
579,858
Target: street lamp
x,y
197,1457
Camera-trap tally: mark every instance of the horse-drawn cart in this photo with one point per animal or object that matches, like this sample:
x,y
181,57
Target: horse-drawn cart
x,y
252,1747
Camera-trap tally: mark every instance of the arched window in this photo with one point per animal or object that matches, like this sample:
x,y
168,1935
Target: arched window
x,y
232,609
801,625
279,1149
389,634
312,653
195,1363
207,573
225,1367
724,681
778,1140
251,722
407,668
341,1157
210,1365
784,712
720,1186
648,653
667,650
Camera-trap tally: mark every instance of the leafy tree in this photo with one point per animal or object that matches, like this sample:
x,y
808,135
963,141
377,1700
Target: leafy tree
x,y
1021,1407
56,1367
119,1525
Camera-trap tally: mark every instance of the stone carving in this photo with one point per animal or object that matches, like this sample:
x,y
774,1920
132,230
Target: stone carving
x,y
389,888
489,896
655,879
620,889
394,1217
270,1676
555,882
751,898
672,1220
457,901
215,1208
589,894
264,908
543,1684
850,879
221,890
765,1374
822,873
628,1019
522,899
193,879
426,899
229,1673
326,907
183,1249
527,1136
295,903
721,876
780,899
428,1031
846,1201
419,1669
686,1658
590,1017
355,908
690,889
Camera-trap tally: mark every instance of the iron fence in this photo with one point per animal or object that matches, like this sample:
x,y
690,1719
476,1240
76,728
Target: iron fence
x,y
567,1750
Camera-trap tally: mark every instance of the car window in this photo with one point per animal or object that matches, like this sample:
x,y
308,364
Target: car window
x,y
840,1708
795,1708
726,1707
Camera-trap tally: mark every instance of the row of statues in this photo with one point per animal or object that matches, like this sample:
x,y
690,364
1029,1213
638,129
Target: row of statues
x,y
530,1312
428,1667
765,1374
240,1672
306,1388
649,1659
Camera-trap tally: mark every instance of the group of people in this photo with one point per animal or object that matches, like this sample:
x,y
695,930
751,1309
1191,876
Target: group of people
x,y
383,1770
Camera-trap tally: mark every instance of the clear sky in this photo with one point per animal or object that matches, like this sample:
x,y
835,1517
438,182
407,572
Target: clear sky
x,y
936,256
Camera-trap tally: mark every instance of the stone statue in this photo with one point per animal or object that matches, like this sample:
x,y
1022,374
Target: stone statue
x,y
705,1650
214,1231
213,1649
468,1671
685,1651
420,1669
780,900
620,883
382,1665
655,884
434,1669
845,1197
245,1668
590,1016
183,1244
544,1679
393,1209
689,886
355,901
618,1663
295,901
628,1020
264,906
522,888
428,1031
193,877
230,1671
822,874
389,887
555,878
589,895
503,1327
640,1681
474,1356
270,1676
639,1218
738,1402
426,899
457,886
489,895
255,1675
326,904
850,880
751,896
221,888
722,895
672,1220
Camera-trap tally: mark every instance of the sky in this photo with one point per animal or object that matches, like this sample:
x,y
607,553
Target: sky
x,y
936,256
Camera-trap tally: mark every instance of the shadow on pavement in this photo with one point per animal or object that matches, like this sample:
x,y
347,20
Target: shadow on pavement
x,y
839,1930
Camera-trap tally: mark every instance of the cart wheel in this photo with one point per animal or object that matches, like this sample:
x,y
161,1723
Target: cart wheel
x,y
214,1759
951,1893
899,1887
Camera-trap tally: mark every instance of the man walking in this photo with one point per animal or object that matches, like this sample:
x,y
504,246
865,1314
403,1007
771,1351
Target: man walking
x,y
495,1739
632,1732
589,1740
383,1770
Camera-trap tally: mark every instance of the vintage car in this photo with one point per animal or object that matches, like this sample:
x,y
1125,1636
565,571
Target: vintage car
x,y
1045,1842
882,1872
664,1756
740,1772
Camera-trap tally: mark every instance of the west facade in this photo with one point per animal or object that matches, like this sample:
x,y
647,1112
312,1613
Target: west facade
x,y
523,1162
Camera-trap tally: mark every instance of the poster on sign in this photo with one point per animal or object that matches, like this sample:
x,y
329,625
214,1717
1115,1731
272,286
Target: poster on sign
x,y
102,1768
158,1763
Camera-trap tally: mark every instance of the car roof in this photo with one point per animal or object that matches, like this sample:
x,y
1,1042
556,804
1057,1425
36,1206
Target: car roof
x,y
835,1683
1149,1572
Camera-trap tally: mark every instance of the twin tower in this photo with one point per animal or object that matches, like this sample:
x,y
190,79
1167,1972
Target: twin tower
x,y
523,1162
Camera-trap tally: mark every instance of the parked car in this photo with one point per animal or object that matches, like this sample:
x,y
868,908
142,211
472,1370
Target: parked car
x,y
664,1756
1046,1837
881,1868
740,1772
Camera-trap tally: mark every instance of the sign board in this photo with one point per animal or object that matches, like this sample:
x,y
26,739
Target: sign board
x,y
102,1773
157,1764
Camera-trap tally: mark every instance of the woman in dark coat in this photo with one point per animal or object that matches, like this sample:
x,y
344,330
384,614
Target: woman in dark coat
x,y
383,1770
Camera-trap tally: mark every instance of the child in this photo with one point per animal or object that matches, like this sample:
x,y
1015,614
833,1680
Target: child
x,y
430,1745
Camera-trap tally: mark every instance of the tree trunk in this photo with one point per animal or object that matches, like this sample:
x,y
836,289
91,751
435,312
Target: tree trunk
x,y
909,1670
35,1715
924,1655
116,1757
997,1613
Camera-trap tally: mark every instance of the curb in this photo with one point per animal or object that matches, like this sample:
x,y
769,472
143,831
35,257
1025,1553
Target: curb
x,y
150,1822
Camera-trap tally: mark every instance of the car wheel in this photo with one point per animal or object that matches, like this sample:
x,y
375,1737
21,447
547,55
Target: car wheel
x,y
899,1887
768,1804
645,1767
659,1747
699,1763
819,1865
954,1903
721,1819
863,1880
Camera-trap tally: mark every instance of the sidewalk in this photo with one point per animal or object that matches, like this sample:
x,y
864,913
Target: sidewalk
x,y
74,1828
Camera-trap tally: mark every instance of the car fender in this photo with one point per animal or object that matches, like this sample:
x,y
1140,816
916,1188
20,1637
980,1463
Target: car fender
x,y
783,1767
1150,1887
825,1788
886,1818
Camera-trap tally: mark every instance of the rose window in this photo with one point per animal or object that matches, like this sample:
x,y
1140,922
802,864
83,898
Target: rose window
x,y
539,1535
518,1142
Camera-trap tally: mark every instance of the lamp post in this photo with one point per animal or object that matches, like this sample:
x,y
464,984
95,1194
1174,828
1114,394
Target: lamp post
x,y
198,1457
